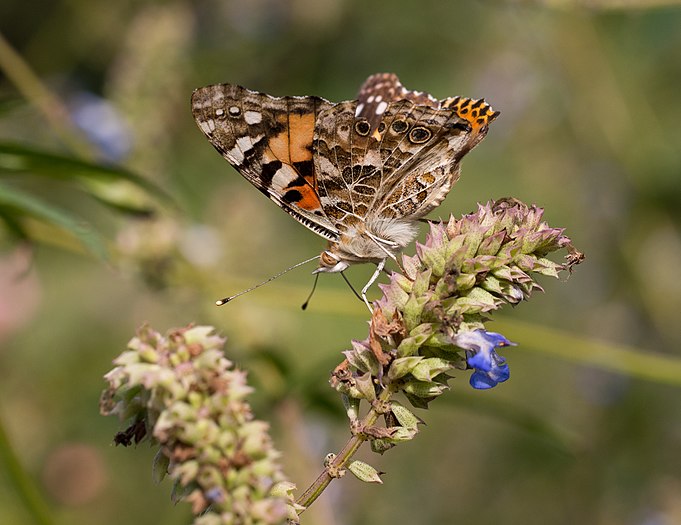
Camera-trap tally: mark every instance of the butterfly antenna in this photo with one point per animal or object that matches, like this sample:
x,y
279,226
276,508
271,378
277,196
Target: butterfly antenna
x,y
231,297
314,287
351,287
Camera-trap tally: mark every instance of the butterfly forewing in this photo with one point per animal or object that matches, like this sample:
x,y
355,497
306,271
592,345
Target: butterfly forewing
x,y
268,140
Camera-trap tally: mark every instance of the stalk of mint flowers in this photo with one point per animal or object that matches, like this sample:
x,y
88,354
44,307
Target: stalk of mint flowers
x,y
182,393
431,320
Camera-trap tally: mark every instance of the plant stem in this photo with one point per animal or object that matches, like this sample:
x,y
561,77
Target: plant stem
x,y
344,456
22,482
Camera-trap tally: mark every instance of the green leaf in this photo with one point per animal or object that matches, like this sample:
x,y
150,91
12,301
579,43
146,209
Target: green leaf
x,y
404,416
430,367
401,366
16,203
159,469
112,185
364,472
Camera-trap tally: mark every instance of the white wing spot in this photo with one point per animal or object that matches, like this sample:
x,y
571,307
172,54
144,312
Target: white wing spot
x,y
380,109
370,99
207,126
253,117
219,112
378,98
234,111
359,109
243,144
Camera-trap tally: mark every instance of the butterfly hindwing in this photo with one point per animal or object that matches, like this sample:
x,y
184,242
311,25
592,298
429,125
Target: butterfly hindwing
x,y
401,169
269,141
381,89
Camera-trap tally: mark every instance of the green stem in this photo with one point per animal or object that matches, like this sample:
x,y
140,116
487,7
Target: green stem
x,y
343,457
22,482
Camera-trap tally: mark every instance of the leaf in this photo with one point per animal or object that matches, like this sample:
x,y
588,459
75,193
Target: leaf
x,y
15,203
405,417
112,185
159,468
364,472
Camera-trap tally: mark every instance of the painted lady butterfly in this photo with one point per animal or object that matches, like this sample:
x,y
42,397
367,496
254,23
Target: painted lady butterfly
x,y
359,173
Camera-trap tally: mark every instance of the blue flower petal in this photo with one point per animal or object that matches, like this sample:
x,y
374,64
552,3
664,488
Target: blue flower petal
x,y
481,381
483,360
490,368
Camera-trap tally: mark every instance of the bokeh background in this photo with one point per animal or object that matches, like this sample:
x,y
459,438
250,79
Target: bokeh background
x,y
587,430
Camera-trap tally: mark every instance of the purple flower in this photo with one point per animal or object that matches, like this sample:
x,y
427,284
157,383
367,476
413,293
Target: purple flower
x,y
490,367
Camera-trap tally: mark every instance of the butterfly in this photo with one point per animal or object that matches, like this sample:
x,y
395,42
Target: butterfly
x,y
360,173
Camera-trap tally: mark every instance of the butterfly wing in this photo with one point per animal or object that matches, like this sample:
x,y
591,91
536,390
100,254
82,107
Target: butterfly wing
x,y
401,169
424,147
381,89
269,141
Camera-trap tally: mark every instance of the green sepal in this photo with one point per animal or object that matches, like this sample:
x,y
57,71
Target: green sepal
x,y
429,368
422,282
412,310
351,405
402,434
364,472
404,416
424,389
365,385
402,366
362,359
381,445
433,259
417,337
418,402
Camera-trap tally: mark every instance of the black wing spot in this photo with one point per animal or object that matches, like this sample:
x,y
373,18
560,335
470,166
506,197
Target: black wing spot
x,y
269,170
399,126
292,196
305,169
362,128
419,135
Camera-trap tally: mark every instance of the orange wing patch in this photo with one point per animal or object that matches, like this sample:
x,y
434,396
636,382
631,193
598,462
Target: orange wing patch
x,y
478,113
295,180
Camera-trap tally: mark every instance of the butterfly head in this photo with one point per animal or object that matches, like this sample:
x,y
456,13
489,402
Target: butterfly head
x,y
330,262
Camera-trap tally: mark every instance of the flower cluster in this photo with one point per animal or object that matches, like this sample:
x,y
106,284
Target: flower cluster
x,y
431,317
181,392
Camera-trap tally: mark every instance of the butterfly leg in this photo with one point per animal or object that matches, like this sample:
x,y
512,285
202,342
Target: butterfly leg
x,y
380,242
379,269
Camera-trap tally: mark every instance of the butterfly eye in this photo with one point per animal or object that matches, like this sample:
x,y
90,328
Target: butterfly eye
x,y
419,135
362,128
234,111
399,126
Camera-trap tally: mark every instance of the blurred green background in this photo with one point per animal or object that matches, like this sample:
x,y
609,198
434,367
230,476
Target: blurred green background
x,y
587,430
